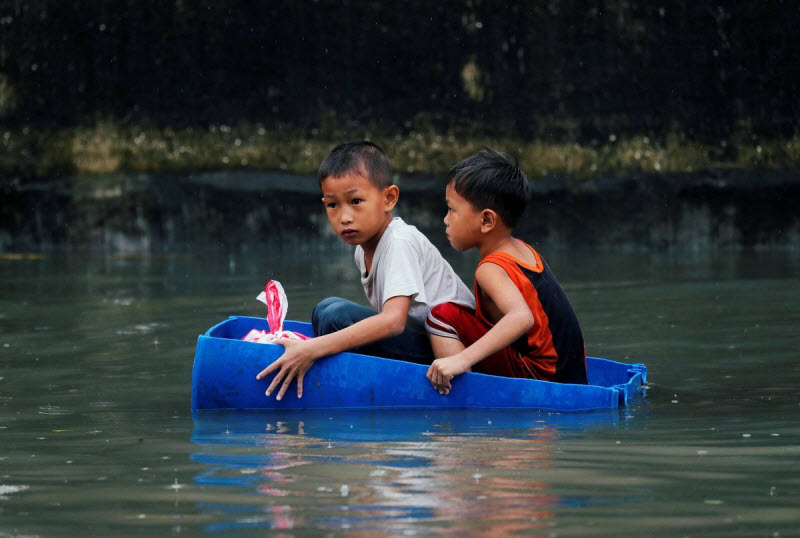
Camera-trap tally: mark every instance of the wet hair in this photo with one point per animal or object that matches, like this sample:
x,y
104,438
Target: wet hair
x,y
364,158
492,180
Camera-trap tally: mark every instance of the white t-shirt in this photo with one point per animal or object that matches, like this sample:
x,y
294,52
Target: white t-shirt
x,y
407,264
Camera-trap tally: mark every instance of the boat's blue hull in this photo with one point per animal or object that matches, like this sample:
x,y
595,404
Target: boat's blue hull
x,y
225,368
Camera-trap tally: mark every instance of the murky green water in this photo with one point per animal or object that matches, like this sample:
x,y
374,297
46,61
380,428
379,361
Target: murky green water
x,y
96,436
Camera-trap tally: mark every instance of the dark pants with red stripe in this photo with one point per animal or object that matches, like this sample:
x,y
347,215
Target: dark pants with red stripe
x,y
452,320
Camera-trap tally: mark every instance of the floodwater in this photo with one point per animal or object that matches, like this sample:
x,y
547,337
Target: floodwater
x,y
97,438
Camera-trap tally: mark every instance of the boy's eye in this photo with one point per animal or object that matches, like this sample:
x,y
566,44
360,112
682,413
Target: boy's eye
x,y
331,205
356,201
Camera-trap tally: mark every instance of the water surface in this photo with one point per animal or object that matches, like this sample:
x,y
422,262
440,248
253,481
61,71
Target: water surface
x,y
96,435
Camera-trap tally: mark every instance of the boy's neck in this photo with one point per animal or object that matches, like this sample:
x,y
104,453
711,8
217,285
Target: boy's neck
x,y
495,241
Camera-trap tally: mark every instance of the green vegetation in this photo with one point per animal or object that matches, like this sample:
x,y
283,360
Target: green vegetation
x,y
578,89
43,154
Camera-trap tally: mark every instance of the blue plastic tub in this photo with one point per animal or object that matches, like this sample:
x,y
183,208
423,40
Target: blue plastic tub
x,y
225,368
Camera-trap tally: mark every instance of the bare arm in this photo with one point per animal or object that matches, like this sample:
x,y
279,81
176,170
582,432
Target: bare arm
x,y
300,355
516,320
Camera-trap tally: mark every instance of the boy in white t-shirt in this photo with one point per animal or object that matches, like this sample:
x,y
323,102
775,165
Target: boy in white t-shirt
x,y
403,274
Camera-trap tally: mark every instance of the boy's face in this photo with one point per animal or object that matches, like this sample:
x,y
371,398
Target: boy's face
x,y
462,221
358,211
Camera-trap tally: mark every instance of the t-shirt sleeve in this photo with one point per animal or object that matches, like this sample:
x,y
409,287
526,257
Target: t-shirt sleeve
x,y
402,274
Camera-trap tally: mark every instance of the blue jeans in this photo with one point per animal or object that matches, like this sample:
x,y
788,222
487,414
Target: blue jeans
x,y
334,314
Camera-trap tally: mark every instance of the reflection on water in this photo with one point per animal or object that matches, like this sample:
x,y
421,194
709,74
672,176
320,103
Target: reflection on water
x,y
392,470
96,437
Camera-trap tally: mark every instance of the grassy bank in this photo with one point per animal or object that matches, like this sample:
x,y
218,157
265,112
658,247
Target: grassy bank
x,y
36,153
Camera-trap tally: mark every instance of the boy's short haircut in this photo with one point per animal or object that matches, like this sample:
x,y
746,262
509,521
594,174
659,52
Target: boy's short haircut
x,y
492,180
364,158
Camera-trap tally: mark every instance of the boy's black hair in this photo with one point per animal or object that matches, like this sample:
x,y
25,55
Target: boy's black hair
x,y
361,157
492,180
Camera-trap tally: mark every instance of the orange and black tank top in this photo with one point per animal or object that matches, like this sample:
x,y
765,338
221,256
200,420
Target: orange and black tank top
x,y
554,345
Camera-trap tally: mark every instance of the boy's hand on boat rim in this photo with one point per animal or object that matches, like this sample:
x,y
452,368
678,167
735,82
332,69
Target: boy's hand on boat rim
x,y
295,362
441,371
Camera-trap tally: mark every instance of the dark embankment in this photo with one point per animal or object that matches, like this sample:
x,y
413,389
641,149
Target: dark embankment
x,y
725,209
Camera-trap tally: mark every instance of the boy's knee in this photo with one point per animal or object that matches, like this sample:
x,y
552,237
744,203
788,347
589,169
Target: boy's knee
x,y
330,315
324,304
320,318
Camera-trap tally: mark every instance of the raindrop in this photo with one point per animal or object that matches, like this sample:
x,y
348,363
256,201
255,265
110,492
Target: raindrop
x,y
5,490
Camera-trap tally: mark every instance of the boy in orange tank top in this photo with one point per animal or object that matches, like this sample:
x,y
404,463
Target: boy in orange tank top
x,y
523,324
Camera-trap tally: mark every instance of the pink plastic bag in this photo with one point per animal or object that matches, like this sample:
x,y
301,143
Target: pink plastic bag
x,y
277,304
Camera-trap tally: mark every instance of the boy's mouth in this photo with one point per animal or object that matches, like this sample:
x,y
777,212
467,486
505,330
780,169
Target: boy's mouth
x,y
347,233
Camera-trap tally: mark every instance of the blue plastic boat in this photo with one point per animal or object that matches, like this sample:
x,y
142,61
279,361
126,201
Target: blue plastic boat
x,y
225,368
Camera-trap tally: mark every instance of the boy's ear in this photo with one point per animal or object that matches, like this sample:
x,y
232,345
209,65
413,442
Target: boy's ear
x,y
488,220
391,195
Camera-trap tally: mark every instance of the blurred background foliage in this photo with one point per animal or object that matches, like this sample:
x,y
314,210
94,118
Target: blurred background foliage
x,y
572,87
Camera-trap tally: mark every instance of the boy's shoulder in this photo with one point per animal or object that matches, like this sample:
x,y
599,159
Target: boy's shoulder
x,y
405,240
398,236
401,230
